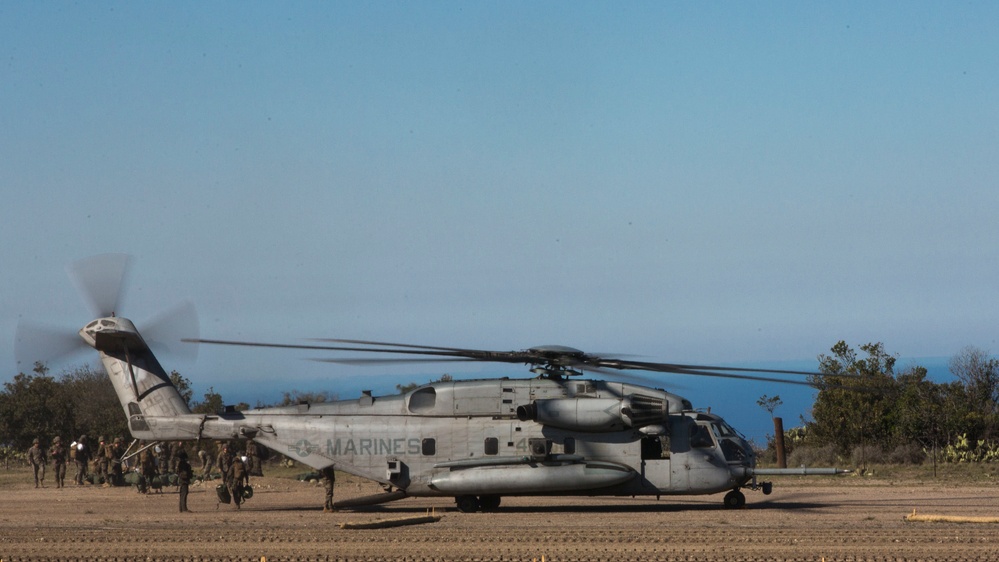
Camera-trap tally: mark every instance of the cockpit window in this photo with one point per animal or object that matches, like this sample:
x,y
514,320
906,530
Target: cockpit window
x,y
700,437
731,442
722,430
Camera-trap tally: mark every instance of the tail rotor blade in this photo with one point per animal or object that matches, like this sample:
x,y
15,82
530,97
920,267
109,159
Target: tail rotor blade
x,y
100,280
165,332
40,343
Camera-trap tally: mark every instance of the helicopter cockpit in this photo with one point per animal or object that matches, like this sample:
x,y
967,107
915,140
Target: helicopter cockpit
x,y
710,431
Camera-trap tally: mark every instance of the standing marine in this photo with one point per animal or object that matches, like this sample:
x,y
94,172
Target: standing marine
x,y
37,460
328,479
224,462
101,462
237,479
147,468
163,449
184,476
81,458
114,452
58,455
253,459
175,451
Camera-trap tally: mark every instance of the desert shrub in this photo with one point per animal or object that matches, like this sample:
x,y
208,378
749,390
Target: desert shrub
x,y
813,456
908,453
863,455
764,454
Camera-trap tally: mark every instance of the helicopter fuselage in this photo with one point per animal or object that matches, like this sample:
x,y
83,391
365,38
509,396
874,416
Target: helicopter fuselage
x,y
465,437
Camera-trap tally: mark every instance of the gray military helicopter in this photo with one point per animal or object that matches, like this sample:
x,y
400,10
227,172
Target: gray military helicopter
x,y
475,440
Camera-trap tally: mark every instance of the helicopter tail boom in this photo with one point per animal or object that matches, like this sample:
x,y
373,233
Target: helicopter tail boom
x,y
154,408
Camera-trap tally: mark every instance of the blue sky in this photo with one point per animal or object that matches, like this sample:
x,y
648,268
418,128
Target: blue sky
x,y
701,183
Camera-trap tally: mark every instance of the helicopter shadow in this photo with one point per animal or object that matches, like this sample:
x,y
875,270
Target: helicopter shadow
x,y
597,508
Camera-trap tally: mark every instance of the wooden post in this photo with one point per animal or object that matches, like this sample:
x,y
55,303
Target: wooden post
x,y
779,442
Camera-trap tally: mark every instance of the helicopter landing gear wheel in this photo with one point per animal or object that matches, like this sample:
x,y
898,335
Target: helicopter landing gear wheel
x,y
489,503
467,504
734,500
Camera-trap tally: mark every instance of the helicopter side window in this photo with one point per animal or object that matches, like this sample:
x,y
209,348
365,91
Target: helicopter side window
x,y
429,447
569,445
700,437
651,448
655,447
492,446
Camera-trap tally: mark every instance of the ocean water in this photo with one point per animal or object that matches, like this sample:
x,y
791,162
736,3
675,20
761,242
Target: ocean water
x,y
734,400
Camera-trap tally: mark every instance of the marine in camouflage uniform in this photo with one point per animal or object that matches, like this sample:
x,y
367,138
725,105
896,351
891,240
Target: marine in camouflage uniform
x,y
253,463
207,463
237,479
329,478
37,460
58,455
184,476
163,457
113,452
81,458
175,451
101,462
147,468
224,462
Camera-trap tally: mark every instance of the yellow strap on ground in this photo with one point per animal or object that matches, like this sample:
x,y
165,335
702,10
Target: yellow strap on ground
x,y
924,518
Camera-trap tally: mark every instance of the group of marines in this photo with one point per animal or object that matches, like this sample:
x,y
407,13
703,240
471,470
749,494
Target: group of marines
x,y
106,458
151,461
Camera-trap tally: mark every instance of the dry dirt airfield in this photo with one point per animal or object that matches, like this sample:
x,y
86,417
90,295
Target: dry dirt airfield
x,y
849,519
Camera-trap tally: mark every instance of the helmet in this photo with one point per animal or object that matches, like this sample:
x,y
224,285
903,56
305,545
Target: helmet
x,y
101,439
57,439
35,442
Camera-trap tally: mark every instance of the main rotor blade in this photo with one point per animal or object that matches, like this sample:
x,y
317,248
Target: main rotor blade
x,y
401,345
526,357
318,347
100,280
366,361
549,356
471,354
680,368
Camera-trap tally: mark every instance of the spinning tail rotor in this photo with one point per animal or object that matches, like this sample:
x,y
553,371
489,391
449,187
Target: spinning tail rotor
x,y
101,281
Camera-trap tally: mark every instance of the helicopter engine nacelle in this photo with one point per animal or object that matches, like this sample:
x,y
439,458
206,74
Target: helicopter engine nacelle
x,y
592,414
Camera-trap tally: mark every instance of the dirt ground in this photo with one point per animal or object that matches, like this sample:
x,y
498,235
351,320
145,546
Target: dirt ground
x,y
803,520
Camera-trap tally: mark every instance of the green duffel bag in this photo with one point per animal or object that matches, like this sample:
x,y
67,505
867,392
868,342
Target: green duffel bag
x,y
223,493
